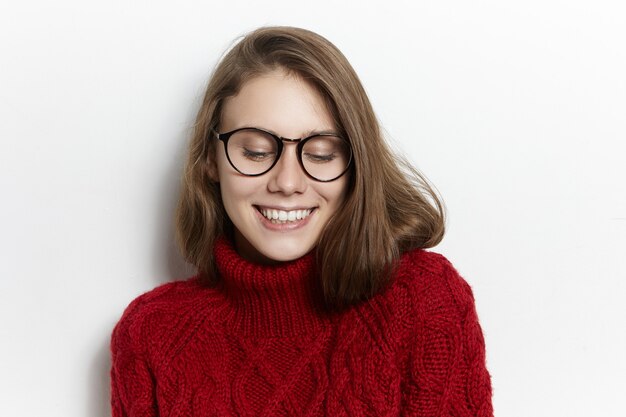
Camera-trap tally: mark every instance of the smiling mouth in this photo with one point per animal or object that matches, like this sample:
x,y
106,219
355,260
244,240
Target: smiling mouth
x,y
283,216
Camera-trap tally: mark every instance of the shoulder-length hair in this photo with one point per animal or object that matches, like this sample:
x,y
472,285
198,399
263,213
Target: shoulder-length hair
x,y
389,208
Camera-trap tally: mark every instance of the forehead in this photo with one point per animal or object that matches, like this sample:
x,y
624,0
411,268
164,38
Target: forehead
x,y
283,103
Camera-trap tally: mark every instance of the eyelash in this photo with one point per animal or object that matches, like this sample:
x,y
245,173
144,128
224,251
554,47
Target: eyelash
x,y
255,155
321,158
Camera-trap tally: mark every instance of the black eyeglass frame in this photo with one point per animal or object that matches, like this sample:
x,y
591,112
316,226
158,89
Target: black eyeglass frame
x,y
224,137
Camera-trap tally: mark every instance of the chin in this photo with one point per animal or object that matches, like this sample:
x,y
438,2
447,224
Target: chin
x,y
285,254
272,249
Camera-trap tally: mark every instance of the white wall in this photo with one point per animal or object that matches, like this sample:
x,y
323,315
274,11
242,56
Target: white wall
x,y
515,110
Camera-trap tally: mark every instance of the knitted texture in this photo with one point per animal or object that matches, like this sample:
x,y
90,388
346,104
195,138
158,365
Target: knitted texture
x,y
260,345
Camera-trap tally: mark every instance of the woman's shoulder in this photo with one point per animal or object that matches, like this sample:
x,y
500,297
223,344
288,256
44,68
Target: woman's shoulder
x,y
427,294
171,295
153,315
434,283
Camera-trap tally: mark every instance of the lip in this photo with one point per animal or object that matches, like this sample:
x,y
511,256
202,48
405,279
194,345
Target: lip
x,y
285,208
284,227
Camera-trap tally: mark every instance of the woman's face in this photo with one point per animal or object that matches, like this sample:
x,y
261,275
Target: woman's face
x,y
289,107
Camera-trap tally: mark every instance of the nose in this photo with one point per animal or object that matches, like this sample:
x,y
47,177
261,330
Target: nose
x,y
287,176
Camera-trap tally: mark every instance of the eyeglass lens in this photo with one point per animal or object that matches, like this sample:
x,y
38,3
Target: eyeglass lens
x,y
253,152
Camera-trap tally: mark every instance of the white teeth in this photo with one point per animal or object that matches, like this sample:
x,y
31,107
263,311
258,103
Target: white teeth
x,y
282,216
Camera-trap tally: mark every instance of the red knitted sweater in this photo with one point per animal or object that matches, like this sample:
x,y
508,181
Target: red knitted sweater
x,y
259,345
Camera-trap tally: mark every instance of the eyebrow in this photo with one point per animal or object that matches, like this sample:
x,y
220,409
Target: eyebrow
x,y
322,132
312,132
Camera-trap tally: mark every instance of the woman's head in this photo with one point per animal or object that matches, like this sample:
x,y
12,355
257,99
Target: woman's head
x,y
367,217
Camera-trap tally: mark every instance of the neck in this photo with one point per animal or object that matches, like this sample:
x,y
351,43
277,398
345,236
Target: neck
x,y
270,300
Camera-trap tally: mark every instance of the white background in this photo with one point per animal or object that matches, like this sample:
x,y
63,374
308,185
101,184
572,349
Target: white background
x,y
515,110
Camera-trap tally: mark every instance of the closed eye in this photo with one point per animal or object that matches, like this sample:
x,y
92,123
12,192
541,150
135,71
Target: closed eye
x,y
320,159
257,156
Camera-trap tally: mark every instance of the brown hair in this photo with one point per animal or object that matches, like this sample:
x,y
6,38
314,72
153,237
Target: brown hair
x,y
389,208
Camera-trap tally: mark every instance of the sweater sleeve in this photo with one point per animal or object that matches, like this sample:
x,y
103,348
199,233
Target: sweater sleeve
x,y
447,375
132,381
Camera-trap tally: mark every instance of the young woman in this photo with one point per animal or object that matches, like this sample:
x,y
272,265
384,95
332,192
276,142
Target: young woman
x,y
314,294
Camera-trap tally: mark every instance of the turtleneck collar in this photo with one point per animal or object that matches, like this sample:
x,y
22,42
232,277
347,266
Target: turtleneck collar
x,y
269,300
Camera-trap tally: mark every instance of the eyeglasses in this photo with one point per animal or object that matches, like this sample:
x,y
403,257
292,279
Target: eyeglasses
x,y
252,151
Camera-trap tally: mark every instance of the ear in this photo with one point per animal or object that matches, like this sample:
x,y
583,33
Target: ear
x,y
211,171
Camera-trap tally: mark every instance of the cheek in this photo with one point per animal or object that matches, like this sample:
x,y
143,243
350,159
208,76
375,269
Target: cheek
x,y
237,194
233,192
335,193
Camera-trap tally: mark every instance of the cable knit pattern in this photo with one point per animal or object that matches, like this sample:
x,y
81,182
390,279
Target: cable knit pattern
x,y
260,345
